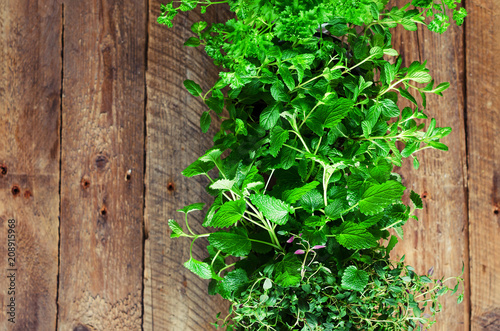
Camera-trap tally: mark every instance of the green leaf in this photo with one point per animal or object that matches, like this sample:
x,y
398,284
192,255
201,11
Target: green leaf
x,y
201,269
192,42
392,243
223,184
288,271
278,137
312,221
312,200
389,108
336,208
205,121
291,196
192,87
377,197
176,229
287,77
416,199
438,145
391,52
198,27
337,111
215,103
230,213
197,168
405,94
355,236
270,115
354,279
389,72
278,92
191,207
235,243
268,284
273,209
420,77
211,155
232,282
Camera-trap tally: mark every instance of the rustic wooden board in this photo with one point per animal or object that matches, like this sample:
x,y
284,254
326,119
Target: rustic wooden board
x,y
440,238
483,112
30,84
101,268
174,298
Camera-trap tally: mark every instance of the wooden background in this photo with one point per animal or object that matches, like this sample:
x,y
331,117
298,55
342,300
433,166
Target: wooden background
x,y
95,128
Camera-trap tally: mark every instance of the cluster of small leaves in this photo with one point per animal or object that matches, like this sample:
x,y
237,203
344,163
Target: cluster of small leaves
x,y
359,292
305,193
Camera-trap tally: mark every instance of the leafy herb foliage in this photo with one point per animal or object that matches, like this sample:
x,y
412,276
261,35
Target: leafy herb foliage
x,y
305,194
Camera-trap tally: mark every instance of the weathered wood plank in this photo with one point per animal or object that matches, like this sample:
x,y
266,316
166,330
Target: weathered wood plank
x,y
102,142
174,298
483,99
30,84
440,237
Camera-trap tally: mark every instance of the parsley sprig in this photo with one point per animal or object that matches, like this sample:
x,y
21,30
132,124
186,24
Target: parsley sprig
x,y
305,193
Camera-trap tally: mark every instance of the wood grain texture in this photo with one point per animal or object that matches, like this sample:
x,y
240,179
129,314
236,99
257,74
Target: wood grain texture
x,y
101,257
30,84
174,298
483,99
440,237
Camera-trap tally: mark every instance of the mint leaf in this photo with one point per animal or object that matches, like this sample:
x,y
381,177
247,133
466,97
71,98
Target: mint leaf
x,y
232,282
355,236
377,197
201,269
191,207
311,201
198,168
278,92
288,271
192,42
205,121
417,201
273,209
389,108
192,87
278,137
230,213
291,196
287,77
354,279
176,229
235,242
337,111
270,115
222,184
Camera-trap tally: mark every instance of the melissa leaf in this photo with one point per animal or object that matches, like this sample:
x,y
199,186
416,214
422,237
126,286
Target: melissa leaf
x,y
377,197
201,269
354,279
235,243
193,87
230,213
273,209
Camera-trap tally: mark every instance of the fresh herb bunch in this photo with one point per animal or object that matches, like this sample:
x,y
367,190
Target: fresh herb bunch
x,y
304,155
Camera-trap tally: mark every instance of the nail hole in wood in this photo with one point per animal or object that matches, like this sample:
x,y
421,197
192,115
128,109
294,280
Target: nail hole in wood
x,y
85,183
424,195
104,211
171,186
3,169
15,190
128,175
27,194
495,211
